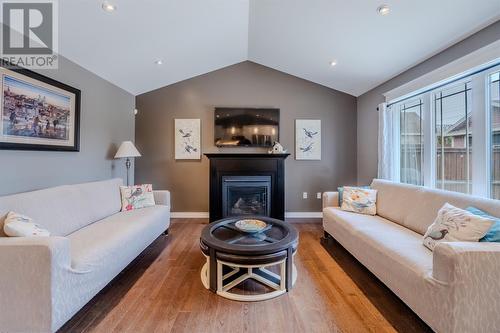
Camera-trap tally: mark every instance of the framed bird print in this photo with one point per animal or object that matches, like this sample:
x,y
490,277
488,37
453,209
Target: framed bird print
x,y
307,139
187,139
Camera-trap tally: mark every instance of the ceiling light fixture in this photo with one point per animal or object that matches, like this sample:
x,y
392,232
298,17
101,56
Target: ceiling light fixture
x,y
108,7
383,10
159,62
333,63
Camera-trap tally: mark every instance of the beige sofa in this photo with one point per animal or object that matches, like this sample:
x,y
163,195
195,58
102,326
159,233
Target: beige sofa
x,y
456,288
44,281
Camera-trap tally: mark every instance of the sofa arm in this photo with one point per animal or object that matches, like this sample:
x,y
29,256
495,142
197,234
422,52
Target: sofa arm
x,y
458,262
26,282
470,271
330,199
162,197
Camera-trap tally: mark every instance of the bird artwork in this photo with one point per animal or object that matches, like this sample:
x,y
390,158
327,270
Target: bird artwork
x,y
307,148
136,193
438,234
309,134
189,148
308,139
187,139
185,134
135,198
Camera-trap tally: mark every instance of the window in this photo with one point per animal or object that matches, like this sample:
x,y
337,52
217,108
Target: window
x,y
411,143
448,136
494,84
452,119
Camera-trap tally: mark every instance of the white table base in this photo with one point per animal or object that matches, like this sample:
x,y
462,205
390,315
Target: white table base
x,y
252,272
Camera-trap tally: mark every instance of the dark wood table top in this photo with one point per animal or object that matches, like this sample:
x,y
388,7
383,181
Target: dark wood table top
x,y
225,237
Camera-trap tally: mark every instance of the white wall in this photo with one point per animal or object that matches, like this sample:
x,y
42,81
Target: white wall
x,y
106,119
367,130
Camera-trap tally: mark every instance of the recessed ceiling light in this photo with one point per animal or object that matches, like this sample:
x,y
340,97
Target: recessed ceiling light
x,y
383,10
159,62
333,63
108,7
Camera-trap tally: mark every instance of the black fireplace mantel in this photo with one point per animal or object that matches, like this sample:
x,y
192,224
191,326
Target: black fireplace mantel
x,y
246,155
247,164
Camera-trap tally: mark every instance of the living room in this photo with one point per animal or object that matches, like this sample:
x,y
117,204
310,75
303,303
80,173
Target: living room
x,y
248,165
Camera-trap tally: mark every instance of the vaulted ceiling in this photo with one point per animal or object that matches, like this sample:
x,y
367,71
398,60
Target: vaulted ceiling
x,y
299,37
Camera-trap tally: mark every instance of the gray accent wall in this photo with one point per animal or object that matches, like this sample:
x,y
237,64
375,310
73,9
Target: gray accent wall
x,y
368,102
251,85
106,119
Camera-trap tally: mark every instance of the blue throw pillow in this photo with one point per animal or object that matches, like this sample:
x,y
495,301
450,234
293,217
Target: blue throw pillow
x,y
341,191
493,235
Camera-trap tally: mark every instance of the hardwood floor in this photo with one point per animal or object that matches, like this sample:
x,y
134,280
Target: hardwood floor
x,y
161,291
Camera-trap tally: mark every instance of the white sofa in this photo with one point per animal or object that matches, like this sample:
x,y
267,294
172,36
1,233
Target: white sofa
x,y
45,280
456,288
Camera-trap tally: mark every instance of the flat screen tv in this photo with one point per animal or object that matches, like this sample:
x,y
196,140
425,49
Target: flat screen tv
x,y
246,127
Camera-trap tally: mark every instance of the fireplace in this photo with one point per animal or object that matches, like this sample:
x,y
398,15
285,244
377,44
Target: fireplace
x,y
246,195
247,184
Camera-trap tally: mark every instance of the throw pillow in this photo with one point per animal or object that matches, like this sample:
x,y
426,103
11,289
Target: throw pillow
x,y
17,225
137,196
493,235
340,190
453,224
359,200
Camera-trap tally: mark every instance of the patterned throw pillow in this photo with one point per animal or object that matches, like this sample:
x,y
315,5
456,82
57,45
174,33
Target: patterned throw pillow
x,y
359,200
493,235
17,225
453,224
340,191
137,196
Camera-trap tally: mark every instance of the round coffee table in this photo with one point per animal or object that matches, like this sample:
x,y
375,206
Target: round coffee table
x,y
234,256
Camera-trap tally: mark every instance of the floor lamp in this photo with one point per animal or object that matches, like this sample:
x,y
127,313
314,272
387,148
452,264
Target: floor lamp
x,y
127,150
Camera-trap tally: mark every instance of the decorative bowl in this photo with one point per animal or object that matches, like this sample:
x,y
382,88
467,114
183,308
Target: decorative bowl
x,y
250,225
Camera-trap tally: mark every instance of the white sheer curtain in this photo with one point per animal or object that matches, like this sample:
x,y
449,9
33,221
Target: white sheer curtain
x,y
387,167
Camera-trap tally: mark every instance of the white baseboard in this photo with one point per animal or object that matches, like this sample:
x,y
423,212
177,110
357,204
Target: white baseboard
x,y
204,215
189,215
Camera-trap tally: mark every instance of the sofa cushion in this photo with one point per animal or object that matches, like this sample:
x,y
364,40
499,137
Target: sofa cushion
x,y
118,238
399,244
65,209
397,257
416,207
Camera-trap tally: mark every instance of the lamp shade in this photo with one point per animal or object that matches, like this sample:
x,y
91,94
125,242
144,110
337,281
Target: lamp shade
x,y
127,149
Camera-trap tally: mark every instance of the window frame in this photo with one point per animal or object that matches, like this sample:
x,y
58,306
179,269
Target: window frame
x,y
481,147
397,134
488,126
433,147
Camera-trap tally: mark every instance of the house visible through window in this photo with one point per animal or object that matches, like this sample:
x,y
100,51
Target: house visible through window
x,y
452,119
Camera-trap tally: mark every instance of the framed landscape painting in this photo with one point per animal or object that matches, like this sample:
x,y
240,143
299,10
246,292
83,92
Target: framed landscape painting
x,y
187,139
307,139
37,113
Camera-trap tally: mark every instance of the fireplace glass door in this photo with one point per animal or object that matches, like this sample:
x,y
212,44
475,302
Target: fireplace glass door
x,y
246,195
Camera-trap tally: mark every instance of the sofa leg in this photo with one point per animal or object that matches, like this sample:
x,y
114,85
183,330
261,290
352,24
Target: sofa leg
x,y
166,232
327,239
